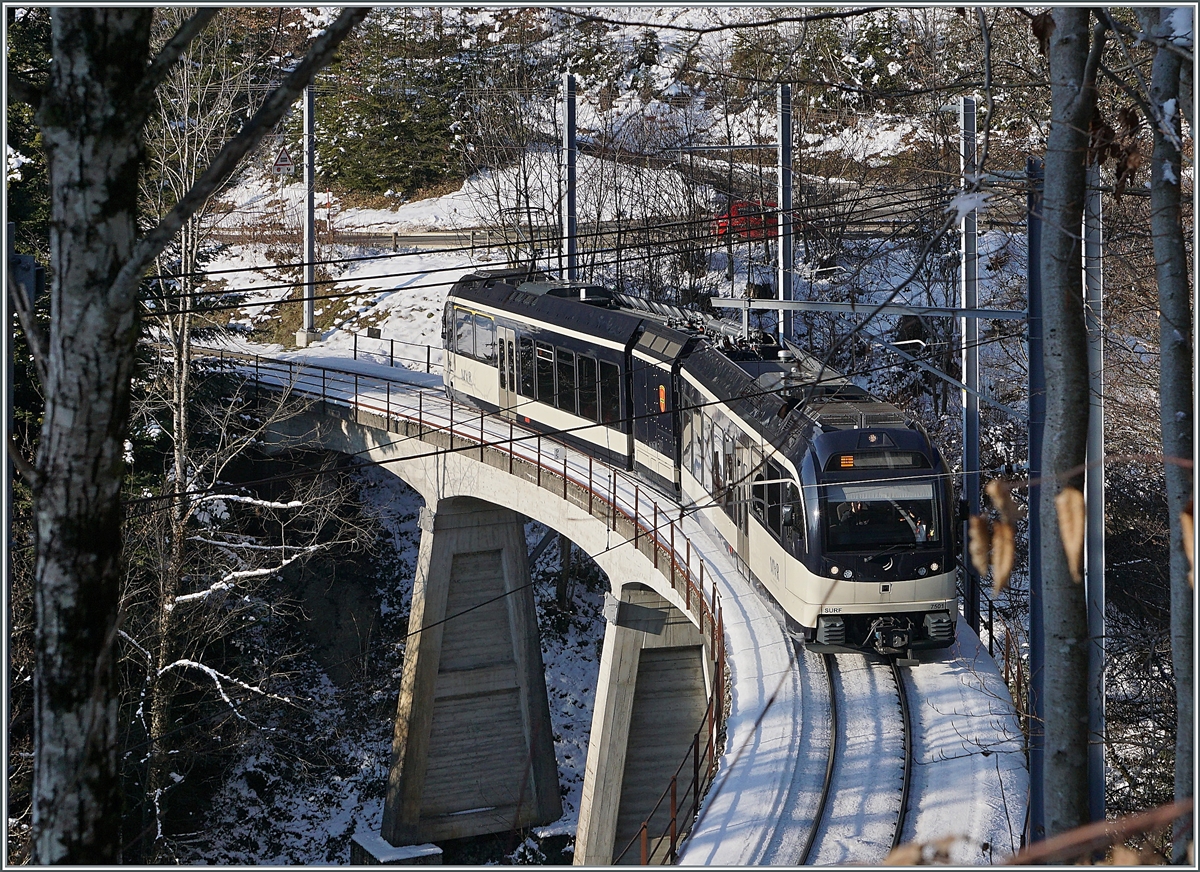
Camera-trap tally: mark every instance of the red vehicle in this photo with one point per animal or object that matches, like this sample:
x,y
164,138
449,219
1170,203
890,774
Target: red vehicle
x,y
749,219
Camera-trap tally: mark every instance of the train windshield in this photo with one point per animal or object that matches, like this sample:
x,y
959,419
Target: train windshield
x,y
881,514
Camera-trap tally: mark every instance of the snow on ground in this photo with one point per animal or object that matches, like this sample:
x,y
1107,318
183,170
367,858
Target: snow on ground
x,y
970,779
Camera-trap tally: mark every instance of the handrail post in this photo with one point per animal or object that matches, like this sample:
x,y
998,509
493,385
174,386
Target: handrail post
x,y
388,405
512,447
481,440
991,625
612,480
391,351
355,401
590,493
355,335
323,384
673,562
654,538
451,422
637,528
645,859
420,414
564,473
539,460
696,773
428,357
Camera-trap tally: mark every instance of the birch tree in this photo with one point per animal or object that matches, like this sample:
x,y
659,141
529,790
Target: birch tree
x,y
1074,56
1163,110
91,113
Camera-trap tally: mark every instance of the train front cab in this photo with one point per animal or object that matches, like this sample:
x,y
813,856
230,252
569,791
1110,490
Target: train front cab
x,y
880,527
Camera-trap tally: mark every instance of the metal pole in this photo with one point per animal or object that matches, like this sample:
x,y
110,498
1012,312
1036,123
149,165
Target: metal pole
x,y
310,210
970,355
570,152
1037,424
784,219
1093,253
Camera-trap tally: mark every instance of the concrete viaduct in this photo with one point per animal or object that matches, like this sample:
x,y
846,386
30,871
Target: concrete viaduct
x,y
696,677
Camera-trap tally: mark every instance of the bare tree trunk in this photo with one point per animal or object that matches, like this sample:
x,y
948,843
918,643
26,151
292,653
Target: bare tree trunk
x,y
1064,610
91,116
94,147
1175,389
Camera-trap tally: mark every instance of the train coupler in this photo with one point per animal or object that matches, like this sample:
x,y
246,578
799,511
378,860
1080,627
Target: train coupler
x,y
892,635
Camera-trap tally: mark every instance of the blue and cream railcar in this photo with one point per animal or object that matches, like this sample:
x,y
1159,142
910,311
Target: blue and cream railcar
x,y
838,506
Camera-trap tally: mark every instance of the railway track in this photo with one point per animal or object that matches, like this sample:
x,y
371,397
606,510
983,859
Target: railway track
x,y
858,819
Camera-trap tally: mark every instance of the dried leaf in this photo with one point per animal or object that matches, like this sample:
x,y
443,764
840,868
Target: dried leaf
x,y
1072,520
1003,552
1129,160
1123,856
1043,26
979,542
1187,521
1129,120
908,854
941,848
1000,493
1101,141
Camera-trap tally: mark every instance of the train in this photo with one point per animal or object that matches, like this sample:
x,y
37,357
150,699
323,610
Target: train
x,y
837,506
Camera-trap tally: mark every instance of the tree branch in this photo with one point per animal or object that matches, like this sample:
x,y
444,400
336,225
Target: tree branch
x,y
169,55
1143,36
230,156
23,466
33,333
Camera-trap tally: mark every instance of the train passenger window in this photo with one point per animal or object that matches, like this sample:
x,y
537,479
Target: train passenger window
x,y
527,367
792,498
686,438
545,373
485,339
775,500
503,369
464,332
565,362
512,382
760,497
588,406
610,392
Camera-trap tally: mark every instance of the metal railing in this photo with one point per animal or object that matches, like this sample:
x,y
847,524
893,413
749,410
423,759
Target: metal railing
x,y
455,428
364,343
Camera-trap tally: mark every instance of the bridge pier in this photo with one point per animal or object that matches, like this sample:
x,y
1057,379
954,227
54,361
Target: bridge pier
x,y
650,697
473,749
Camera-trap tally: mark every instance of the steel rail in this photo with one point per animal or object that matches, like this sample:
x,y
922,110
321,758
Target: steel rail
x,y
905,716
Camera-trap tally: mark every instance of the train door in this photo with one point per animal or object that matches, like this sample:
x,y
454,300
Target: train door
x,y
743,461
506,354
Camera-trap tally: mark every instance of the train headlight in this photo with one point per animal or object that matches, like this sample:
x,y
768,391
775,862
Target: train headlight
x,y
849,574
833,570
933,567
922,572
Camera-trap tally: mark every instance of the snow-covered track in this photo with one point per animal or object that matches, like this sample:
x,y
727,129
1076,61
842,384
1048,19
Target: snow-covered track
x,y
862,810
829,760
